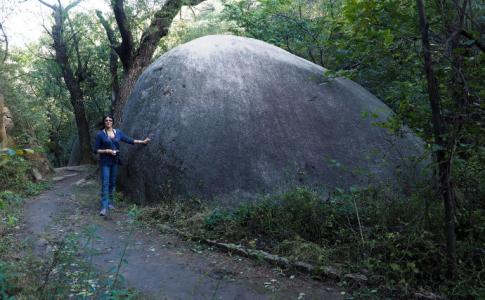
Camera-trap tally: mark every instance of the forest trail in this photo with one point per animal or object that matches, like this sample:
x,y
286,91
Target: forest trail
x,y
159,265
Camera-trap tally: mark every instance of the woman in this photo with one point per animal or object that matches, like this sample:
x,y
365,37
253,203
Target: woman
x,y
108,146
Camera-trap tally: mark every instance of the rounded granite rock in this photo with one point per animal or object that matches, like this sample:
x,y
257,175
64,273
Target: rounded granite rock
x,y
233,118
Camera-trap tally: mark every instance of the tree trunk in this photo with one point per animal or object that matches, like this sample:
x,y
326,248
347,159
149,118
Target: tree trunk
x,y
54,148
115,85
72,82
127,84
113,61
135,61
439,131
82,130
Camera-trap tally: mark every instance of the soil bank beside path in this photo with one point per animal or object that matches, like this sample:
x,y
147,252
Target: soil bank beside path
x,y
159,266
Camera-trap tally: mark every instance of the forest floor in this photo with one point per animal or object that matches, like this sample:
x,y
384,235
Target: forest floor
x,y
157,265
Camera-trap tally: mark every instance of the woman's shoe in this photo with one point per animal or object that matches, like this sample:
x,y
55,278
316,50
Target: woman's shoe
x,y
103,212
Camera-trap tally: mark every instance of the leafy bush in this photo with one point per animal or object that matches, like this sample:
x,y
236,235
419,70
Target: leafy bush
x,y
8,197
14,174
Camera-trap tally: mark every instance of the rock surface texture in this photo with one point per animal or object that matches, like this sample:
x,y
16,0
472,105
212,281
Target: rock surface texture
x,y
232,118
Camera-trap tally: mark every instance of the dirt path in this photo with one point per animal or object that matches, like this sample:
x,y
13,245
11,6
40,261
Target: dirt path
x,y
159,266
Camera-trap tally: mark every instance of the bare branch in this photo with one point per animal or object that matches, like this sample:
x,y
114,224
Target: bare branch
x,y
53,7
6,43
47,30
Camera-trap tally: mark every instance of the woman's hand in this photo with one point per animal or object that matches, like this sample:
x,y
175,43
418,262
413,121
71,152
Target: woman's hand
x,y
111,151
144,142
107,151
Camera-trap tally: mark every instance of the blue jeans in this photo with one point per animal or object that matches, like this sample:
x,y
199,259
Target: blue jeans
x,y
108,181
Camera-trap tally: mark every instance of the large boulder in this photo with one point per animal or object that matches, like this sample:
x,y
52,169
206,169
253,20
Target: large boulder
x,y
232,118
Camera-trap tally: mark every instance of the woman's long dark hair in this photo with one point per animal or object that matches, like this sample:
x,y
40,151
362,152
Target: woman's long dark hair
x,y
101,125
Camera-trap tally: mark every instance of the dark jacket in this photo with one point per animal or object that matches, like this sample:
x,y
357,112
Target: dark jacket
x,y
103,141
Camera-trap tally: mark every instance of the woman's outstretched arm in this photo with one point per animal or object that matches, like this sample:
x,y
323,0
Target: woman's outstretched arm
x,y
130,140
144,142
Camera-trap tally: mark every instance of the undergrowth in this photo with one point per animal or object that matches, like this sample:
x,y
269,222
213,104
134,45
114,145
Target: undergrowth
x,y
66,271
395,241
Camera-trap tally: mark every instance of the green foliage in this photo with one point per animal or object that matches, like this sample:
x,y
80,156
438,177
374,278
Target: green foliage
x,y
8,198
66,271
395,240
14,174
94,53
14,185
30,122
5,284
377,44
296,214
10,211
64,274
36,93
195,22
368,41
303,28
87,50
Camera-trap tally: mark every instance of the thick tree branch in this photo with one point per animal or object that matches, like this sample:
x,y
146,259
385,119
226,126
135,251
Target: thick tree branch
x,y
135,60
159,26
125,49
113,59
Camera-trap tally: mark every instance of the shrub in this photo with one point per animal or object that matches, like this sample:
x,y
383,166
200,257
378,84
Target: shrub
x,y
14,174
